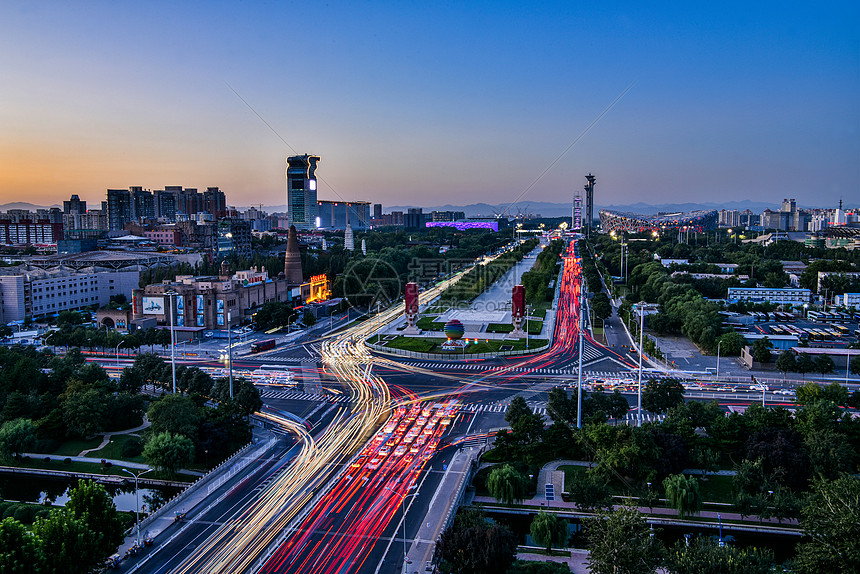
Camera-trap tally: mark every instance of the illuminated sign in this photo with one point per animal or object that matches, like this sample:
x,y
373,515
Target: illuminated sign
x,y
153,306
312,184
319,289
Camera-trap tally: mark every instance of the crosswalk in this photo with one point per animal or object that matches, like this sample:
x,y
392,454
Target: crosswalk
x,y
438,366
540,408
300,396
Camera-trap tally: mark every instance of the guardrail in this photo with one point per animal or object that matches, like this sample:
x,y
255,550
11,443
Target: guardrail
x,y
200,481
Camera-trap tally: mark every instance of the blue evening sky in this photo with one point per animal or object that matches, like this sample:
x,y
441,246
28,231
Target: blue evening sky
x,y
429,103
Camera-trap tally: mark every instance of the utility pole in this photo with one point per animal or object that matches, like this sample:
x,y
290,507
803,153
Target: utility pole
x,y
639,394
579,380
230,352
171,293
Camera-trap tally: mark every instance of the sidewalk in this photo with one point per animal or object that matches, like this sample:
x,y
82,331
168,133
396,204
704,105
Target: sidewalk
x,y
192,500
442,508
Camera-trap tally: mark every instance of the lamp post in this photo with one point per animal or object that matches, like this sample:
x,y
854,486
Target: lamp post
x,y
137,498
230,352
528,311
718,359
403,519
117,354
170,294
579,376
639,393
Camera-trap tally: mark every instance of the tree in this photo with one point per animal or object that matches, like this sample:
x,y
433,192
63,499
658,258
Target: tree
x,y
761,350
16,437
601,306
20,549
168,452
620,543
69,546
704,556
782,455
246,396
590,494
786,362
507,485
660,396
548,530
308,319
731,344
91,504
707,459
472,546
805,364
830,519
175,414
682,493
854,365
824,364
84,408
560,407
517,409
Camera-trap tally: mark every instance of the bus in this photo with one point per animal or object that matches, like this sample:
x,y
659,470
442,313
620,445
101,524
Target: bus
x,y
777,330
841,329
260,346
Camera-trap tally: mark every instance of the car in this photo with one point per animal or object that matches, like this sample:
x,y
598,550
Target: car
x,y
789,392
374,463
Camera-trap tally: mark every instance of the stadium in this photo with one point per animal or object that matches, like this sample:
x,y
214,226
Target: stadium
x,y
638,223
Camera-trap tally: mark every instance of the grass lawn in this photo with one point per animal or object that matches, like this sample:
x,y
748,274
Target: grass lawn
x,y
429,324
499,328
539,313
114,449
716,488
572,473
535,327
75,447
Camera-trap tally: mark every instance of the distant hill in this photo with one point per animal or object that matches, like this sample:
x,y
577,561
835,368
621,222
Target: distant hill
x,y
24,205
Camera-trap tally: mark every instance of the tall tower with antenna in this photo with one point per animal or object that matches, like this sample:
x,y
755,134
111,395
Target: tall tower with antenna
x,y
589,200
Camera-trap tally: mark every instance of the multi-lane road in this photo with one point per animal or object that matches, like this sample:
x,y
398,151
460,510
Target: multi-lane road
x,y
330,498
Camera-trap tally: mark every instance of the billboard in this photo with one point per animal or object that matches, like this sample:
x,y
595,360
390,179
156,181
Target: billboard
x,y
154,306
411,296
518,301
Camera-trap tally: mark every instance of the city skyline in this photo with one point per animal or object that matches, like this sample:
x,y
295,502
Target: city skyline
x,y
432,106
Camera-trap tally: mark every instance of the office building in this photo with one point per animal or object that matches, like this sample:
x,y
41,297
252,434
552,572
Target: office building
x,y
302,191
415,218
779,296
377,211
30,232
234,238
32,293
204,302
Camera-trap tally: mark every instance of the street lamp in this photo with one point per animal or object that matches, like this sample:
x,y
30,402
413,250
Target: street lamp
x,y
117,354
639,393
403,519
718,359
230,352
579,372
170,294
137,498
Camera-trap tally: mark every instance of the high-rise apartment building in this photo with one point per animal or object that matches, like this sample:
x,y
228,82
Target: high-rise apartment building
x,y
302,191
119,206
377,211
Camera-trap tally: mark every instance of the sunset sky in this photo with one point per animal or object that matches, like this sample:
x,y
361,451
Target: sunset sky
x,y
428,103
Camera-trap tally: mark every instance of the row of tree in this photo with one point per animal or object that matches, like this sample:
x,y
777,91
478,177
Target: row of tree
x,y
75,539
536,281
